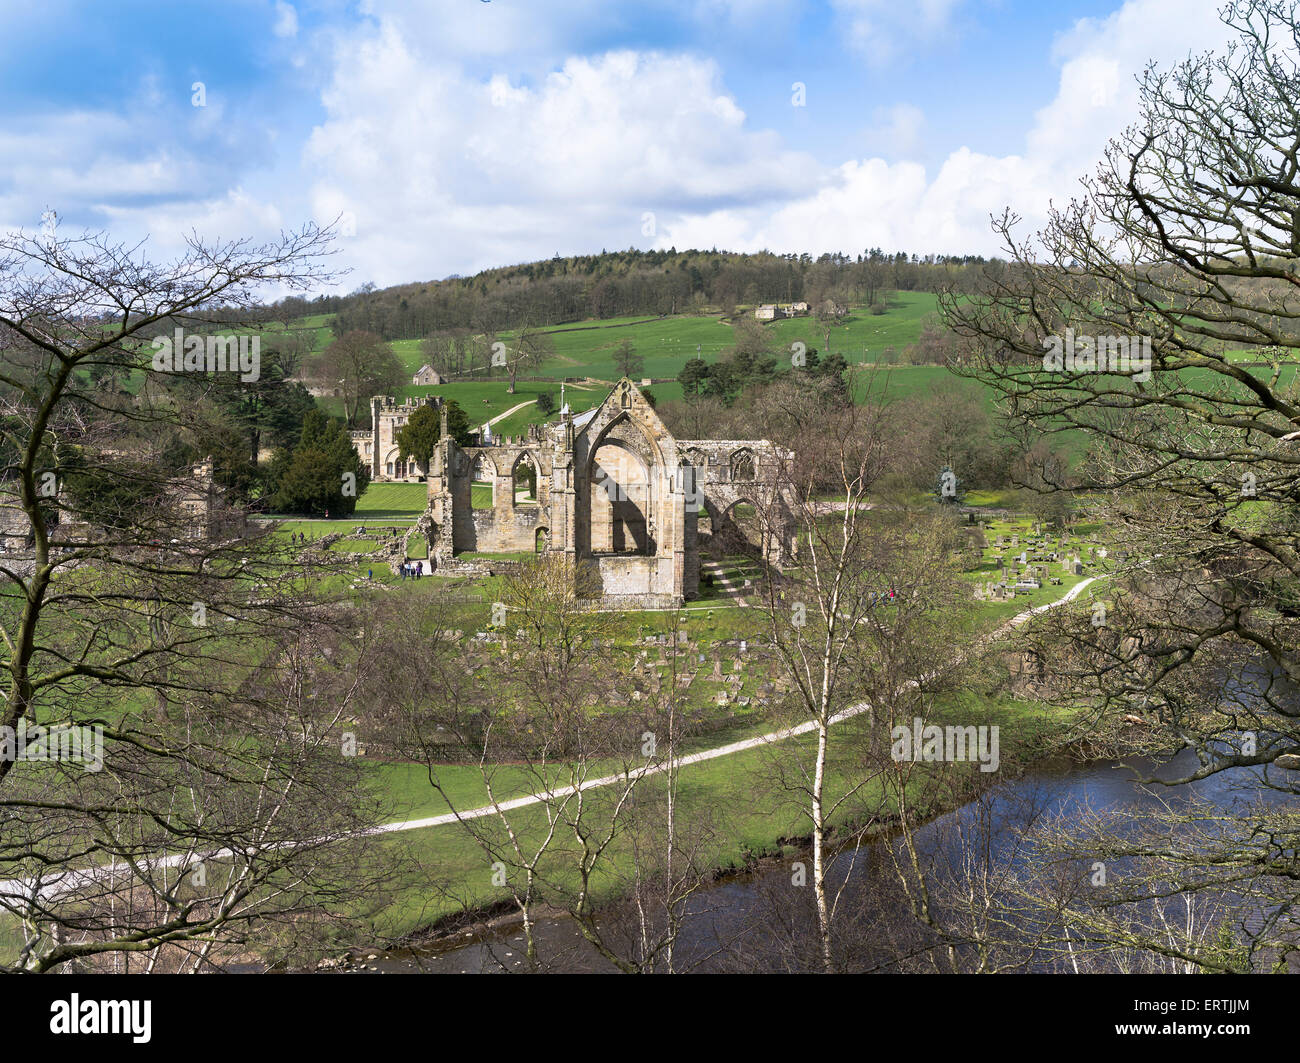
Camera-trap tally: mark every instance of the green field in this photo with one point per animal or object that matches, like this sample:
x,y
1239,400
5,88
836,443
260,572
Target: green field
x,y
585,350
381,501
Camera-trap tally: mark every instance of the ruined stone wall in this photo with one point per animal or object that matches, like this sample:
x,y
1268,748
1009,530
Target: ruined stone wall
x,y
510,526
647,580
614,487
626,436
738,471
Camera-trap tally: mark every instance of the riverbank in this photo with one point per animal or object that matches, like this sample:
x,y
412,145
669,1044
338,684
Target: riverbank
x,y
760,897
761,852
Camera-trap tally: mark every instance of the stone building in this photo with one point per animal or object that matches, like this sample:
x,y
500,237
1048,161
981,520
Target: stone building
x,y
612,487
15,529
772,311
201,506
377,445
427,376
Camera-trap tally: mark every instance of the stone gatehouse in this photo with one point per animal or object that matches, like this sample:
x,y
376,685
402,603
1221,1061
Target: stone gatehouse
x,y
612,487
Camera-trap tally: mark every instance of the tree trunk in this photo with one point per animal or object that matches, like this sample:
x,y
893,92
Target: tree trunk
x,y
819,850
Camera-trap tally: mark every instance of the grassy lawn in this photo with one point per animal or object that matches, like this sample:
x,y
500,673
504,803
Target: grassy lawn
x,y
733,799
386,504
381,501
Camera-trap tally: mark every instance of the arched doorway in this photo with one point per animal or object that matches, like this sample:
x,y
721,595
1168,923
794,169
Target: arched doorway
x,y
738,529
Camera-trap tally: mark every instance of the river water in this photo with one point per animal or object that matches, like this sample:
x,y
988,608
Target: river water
x,y
748,921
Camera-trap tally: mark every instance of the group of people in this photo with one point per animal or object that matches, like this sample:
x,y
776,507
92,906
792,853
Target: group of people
x,y
411,569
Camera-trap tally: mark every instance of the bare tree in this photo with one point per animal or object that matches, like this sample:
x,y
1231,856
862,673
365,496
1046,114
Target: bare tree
x,y
529,348
599,836
360,365
849,639
1161,327
161,656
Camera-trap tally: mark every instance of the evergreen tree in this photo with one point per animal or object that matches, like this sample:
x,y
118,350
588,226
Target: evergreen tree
x,y
324,474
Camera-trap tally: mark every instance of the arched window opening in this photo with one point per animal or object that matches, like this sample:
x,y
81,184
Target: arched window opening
x,y
742,467
524,481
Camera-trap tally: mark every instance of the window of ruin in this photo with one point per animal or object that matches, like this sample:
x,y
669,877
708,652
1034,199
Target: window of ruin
x,y
742,466
483,483
524,481
619,502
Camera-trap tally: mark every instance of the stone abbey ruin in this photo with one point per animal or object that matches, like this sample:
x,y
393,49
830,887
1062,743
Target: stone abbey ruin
x,y
614,488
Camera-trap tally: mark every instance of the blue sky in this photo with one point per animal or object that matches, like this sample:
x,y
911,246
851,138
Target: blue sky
x,y
457,134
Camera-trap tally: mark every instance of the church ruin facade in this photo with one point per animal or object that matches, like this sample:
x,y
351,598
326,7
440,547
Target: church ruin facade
x,y
613,488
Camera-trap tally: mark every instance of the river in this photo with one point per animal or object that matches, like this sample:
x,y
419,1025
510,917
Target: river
x,y
749,921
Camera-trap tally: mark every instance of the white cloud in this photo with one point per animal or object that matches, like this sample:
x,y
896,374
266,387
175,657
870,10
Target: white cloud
x,y
232,216
445,171
880,30
900,206
452,158
143,173
286,20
